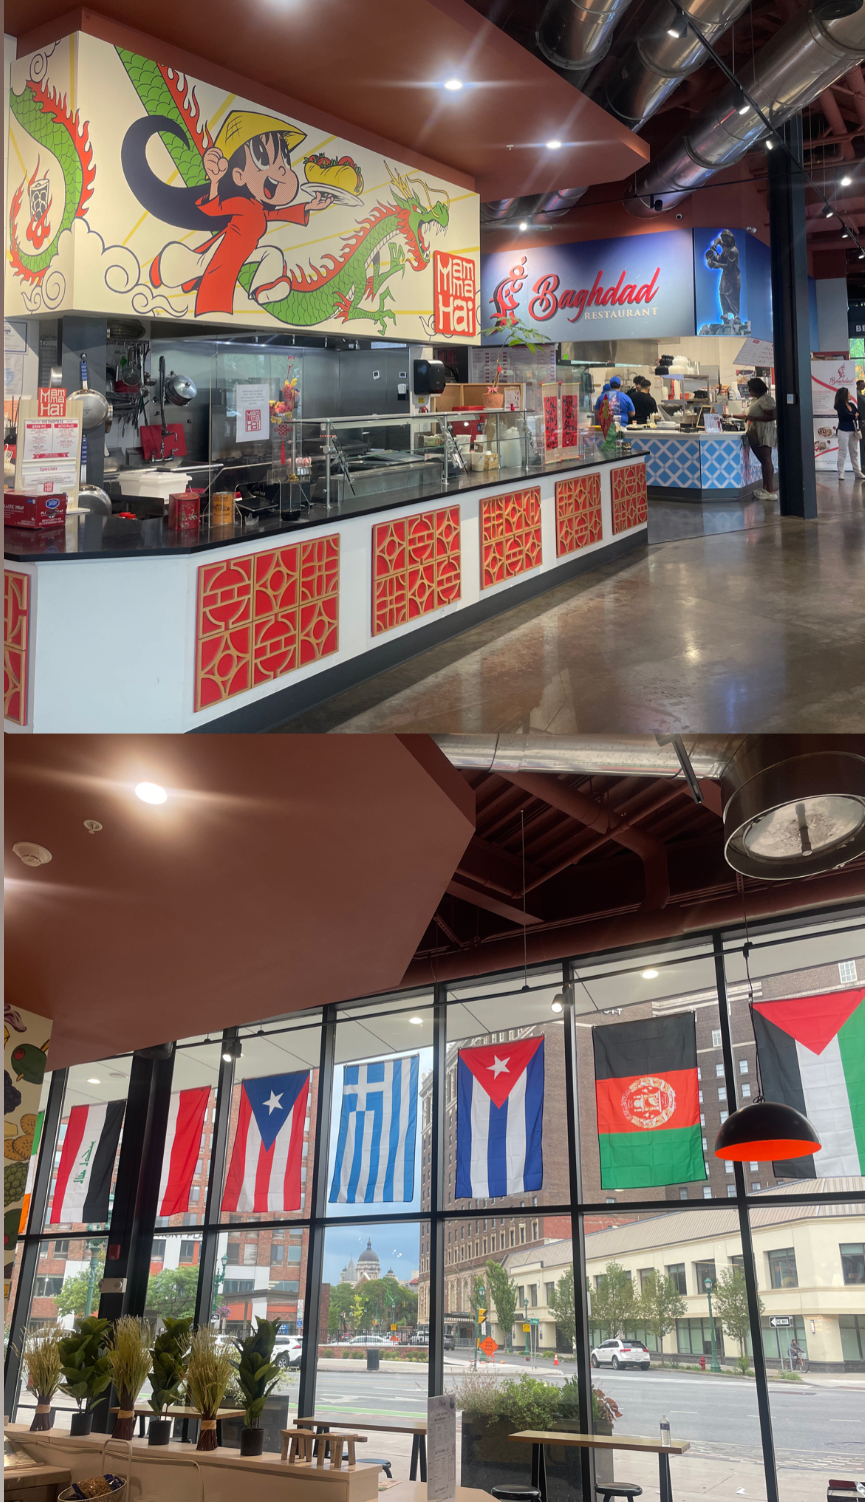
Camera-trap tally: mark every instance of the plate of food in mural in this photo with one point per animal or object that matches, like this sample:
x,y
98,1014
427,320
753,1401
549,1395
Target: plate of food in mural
x,y
221,193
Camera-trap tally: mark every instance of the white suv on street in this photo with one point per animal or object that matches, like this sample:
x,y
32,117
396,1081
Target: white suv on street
x,y
616,1353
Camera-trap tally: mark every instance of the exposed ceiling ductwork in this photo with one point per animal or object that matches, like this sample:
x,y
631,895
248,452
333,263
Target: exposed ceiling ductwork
x,y
792,806
804,58
657,62
574,36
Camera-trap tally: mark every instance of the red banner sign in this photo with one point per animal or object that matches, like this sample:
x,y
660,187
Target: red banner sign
x,y
52,401
455,295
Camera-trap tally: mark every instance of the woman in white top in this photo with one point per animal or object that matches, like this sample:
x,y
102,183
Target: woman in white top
x,y
763,434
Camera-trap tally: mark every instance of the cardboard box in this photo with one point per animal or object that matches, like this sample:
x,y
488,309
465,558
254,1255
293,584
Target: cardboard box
x,y
33,511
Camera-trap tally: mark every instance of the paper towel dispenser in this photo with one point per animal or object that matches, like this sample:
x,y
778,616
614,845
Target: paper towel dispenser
x,y
429,377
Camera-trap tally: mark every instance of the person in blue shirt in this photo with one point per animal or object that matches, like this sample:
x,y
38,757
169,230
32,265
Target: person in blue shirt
x,y
621,405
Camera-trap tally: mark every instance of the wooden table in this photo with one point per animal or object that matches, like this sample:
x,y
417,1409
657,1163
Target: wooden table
x,y
537,1438
417,1430
34,1483
144,1410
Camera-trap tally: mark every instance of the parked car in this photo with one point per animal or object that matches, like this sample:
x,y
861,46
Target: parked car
x,y
616,1353
449,1342
287,1350
370,1340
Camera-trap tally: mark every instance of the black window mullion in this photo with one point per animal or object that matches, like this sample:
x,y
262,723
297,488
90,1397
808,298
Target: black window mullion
x,y
317,1203
218,1154
30,1250
763,1405
435,1329
578,1235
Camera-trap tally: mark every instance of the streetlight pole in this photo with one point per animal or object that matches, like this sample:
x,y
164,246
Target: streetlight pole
x,y
716,1365
94,1248
218,1281
478,1294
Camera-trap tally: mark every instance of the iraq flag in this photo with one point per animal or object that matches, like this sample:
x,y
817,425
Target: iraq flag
x,y
648,1103
811,1051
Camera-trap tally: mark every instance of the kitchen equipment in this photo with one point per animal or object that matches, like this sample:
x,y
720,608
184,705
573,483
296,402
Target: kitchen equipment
x,y
179,390
94,412
91,498
154,482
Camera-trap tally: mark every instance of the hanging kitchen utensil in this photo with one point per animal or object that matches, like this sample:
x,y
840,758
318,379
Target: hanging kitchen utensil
x,y
96,411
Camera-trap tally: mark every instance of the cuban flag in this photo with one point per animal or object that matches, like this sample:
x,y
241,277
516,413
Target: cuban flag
x,y
266,1159
377,1126
500,1117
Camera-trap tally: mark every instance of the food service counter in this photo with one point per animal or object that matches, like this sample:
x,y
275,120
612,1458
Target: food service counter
x,y
689,465
240,629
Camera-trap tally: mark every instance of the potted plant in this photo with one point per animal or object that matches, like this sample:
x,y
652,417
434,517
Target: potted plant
x,y
129,1358
208,1372
167,1375
257,1376
494,397
85,1367
44,1371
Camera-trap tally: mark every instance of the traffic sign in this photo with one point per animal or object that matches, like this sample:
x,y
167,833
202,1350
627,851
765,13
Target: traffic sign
x,y
393,1327
534,1321
482,1314
489,1345
780,1321
526,1329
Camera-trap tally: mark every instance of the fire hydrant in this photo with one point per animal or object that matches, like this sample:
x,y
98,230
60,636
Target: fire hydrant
x,y
702,1363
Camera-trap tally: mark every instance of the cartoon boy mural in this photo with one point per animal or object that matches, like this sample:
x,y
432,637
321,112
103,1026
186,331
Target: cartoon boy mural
x,y
252,184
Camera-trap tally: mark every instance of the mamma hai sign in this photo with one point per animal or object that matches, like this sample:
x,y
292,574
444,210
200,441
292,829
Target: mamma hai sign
x,y
594,289
135,188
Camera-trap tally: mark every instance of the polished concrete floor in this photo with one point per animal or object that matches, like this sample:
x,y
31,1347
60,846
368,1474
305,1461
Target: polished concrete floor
x,y
731,619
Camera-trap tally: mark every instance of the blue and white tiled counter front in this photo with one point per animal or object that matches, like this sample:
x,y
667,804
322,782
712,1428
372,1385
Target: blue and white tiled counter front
x,y
699,466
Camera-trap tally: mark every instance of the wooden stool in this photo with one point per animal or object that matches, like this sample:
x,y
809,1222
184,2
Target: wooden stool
x,y
297,1446
335,1441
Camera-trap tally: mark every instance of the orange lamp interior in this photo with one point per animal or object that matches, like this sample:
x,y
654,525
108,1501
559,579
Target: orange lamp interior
x,y
768,1152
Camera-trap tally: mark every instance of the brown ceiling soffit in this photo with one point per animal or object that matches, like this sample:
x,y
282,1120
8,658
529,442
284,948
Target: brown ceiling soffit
x,y
118,35
643,927
586,811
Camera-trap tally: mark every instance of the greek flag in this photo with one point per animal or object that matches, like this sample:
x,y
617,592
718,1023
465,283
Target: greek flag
x,y
377,1125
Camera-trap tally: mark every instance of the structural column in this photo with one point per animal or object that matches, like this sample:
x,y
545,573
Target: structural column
x,y
791,332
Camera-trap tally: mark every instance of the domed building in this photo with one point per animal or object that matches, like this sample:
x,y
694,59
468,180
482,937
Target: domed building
x,y
368,1265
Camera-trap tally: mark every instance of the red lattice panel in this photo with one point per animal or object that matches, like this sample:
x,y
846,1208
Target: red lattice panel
x,y
16,628
510,535
629,497
416,567
263,616
578,513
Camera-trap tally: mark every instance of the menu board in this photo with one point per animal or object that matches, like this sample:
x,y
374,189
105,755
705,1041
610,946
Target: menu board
x,y
48,451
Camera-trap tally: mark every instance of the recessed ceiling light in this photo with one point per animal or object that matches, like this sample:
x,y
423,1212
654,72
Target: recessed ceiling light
x,y
151,792
94,1081
416,1021
649,974
553,145
453,84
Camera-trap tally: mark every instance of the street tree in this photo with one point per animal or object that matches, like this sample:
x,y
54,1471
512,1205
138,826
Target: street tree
x,y
660,1305
730,1300
339,1308
561,1301
613,1302
72,1298
502,1293
172,1292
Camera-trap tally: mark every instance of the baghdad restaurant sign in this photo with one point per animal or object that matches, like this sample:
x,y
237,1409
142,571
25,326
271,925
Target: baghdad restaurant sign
x,y
632,287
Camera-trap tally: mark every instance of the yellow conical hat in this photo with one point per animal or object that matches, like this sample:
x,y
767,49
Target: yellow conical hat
x,y
242,125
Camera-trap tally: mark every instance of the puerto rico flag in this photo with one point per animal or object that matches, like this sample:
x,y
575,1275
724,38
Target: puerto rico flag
x,y
264,1172
811,1051
182,1144
83,1188
500,1117
648,1102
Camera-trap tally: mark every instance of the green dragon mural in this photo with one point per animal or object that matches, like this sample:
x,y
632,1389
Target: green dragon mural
x,y
232,187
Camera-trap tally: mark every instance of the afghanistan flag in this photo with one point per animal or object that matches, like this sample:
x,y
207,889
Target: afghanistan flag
x,y
648,1102
811,1051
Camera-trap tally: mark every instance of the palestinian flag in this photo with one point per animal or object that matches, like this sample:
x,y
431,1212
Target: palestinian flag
x,y
83,1187
648,1103
811,1051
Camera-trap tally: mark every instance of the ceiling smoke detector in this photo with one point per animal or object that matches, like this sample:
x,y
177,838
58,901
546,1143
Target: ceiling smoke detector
x,y
797,817
32,855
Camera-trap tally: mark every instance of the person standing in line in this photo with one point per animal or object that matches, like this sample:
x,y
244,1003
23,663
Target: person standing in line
x,y
848,432
763,434
860,403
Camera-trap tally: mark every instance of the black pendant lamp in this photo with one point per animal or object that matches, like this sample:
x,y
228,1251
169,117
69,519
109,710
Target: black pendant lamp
x,y
766,1132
